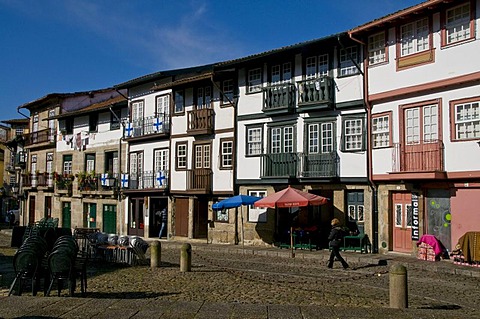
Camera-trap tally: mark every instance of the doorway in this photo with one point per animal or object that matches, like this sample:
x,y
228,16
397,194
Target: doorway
x,y
90,215
31,211
181,217
402,222
66,215
135,217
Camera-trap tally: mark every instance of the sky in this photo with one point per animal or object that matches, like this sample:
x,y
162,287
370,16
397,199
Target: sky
x,y
63,46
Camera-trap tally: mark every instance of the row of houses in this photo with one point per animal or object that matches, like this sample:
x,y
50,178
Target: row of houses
x,y
383,120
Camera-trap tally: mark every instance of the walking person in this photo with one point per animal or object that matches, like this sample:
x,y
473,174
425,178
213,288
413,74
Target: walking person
x,y
335,240
163,214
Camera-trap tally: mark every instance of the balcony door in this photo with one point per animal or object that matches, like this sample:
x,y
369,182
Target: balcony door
x,y
161,168
282,159
136,170
135,217
421,139
137,118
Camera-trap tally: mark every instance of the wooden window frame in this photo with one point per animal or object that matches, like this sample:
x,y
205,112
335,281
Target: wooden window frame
x,y
222,154
443,23
177,157
389,115
453,118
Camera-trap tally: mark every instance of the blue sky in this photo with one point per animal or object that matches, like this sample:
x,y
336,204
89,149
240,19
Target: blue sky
x,y
53,46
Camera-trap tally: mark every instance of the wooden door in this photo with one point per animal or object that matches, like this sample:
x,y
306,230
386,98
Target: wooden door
x,y
181,217
402,222
66,215
48,207
31,211
200,217
135,217
92,213
110,219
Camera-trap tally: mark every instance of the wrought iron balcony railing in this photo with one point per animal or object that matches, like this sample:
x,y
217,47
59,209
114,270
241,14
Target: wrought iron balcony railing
x,y
151,125
148,180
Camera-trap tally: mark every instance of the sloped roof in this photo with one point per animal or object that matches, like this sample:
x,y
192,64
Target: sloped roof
x,y
55,98
163,74
398,16
24,121
296,46
100,106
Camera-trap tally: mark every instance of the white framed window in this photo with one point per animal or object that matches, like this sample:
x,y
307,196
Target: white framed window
x,y
376,48
90,163
467,120
163,106
281,139
19,131
316,66
161,160
179,101
33,164
281,73
320,138
221,215
204,97
347,56
137,111
414,37
381,131
257,215
353,134
421,124
457,26
254,141
202,156
67,164
254,80
227,91
49,164
35,123
181,156
226,154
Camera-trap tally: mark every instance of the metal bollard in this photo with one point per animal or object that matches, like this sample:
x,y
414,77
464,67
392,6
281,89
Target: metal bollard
x,y
186,258
398,287
155,254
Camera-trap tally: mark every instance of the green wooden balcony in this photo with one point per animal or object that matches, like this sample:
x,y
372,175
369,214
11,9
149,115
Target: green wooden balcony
x,y
283,165
316,93
319,165
279,99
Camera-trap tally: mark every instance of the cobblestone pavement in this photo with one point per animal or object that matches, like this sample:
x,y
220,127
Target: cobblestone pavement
x,y
249,283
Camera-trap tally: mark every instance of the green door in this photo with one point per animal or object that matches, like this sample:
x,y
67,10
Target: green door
x,y
92,216
110,219
66,215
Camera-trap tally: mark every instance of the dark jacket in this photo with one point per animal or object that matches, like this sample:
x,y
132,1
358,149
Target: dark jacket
x,y
336,236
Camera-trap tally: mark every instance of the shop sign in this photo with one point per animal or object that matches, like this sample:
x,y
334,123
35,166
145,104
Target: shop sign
x,y
415,221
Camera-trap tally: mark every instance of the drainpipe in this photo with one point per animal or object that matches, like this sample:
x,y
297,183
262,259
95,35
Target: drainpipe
x,y
23,200
235,144
119,173
373,186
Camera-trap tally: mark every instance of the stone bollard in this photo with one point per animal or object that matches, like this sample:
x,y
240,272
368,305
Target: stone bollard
x,y
186,258
155,254
398,287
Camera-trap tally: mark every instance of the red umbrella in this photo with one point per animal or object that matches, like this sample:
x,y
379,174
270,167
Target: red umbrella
x,y
290,197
